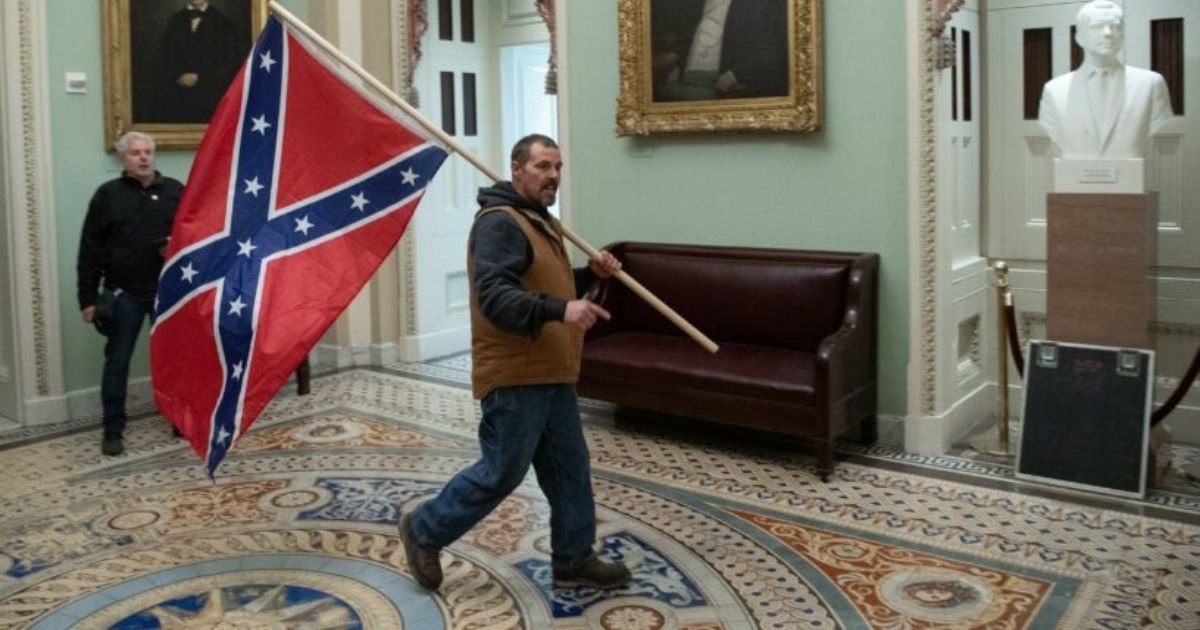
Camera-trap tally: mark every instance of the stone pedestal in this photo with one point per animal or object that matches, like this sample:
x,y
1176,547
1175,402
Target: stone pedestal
x,y
1100,286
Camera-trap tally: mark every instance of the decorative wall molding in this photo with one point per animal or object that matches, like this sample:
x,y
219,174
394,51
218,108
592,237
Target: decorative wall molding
x,y
408,284
545,9
929,15
410,20
32,211
30,201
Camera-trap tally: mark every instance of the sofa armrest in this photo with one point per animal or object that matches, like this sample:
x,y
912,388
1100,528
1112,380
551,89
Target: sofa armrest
x,y
846,359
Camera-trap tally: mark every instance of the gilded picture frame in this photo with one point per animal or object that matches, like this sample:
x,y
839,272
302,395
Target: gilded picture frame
x,y
756,69
152,82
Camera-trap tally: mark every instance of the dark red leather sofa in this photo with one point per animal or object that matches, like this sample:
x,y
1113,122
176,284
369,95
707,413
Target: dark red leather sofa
x,y
797,331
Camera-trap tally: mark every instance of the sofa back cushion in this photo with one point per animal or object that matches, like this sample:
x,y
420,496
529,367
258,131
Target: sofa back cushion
x,y
770,297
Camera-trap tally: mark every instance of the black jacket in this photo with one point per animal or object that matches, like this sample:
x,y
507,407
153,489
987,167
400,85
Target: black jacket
x,y
126,225
502,254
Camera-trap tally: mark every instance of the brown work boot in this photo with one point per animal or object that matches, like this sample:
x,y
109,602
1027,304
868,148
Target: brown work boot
x,y
423,562
593,573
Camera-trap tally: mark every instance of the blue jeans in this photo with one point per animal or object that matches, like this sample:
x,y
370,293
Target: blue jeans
x,y
536,424
123,329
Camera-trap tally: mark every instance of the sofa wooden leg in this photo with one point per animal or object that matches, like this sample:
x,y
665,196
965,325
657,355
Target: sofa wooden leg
x,y
825,460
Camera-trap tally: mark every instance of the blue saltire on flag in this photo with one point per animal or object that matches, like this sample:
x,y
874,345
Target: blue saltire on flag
x,y
301,187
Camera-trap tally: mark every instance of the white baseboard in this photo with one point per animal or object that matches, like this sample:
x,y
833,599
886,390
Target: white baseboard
x,y
415,348
384,353
48,410
933,435
331,357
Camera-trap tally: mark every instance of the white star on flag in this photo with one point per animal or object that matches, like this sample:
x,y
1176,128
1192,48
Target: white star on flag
x,y
236,306
189,272
409,176
252,186
266,62
237,370
223,435
245,247
360,201
302,225
260,124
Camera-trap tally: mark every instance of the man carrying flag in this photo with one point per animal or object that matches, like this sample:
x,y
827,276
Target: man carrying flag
x,y
300,189
273,239
527,325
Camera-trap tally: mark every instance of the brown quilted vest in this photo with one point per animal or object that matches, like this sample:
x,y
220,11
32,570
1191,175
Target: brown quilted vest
x,y
502,359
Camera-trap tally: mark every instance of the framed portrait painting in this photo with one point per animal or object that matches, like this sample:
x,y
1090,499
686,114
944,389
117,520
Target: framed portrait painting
x,y
168,62
719,65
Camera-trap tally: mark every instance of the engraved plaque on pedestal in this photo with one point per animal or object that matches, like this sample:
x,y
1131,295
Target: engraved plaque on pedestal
x,y
1099,267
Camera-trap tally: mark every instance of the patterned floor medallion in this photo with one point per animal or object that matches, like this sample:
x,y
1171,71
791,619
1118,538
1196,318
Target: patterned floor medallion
x,y
298,530
269,600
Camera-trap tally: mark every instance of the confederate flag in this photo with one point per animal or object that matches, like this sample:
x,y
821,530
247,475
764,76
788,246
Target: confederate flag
x,y
300,188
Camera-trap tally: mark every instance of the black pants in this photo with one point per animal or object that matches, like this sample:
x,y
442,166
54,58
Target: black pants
x,y
123,329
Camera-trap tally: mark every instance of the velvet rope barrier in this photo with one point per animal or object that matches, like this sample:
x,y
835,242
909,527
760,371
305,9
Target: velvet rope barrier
x,y
1184,385
1014,341
1160,414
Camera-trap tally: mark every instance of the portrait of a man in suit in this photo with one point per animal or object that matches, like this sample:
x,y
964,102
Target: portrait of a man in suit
x,y
184,55
718,49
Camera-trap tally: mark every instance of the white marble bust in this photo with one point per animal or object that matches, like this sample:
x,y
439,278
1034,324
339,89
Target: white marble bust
x,y
1105,109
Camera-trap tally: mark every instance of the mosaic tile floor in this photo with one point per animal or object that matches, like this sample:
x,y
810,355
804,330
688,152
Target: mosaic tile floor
x,y
298,531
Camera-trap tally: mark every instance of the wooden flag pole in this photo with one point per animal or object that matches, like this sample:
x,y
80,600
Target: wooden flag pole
x,y
454,147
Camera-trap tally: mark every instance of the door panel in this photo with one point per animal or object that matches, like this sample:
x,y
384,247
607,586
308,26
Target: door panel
x,y
1177,147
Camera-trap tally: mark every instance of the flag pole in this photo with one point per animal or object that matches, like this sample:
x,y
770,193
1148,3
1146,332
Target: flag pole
x,y
454,147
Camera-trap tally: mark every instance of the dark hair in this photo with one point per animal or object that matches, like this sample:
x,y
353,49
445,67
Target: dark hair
x,y
520,150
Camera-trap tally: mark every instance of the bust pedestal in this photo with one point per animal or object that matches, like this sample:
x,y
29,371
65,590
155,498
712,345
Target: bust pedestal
x,y
1099,266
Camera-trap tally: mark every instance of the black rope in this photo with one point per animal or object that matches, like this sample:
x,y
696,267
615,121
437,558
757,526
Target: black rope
x,y
1014,342
1184,385
1160,414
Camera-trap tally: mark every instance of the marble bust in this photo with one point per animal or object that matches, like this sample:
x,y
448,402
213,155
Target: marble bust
x,y
1105,109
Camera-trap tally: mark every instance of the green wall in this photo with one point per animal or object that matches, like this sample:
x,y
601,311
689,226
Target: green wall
x,y
842,189
80,164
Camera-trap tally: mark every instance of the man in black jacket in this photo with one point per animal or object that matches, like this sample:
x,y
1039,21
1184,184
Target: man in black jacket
x,y
124,235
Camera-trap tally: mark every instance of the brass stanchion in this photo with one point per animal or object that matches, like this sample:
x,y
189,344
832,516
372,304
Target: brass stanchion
x,y
996,442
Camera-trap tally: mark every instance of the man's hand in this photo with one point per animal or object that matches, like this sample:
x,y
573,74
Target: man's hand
x,y
89,314
584,314
605,265
188,79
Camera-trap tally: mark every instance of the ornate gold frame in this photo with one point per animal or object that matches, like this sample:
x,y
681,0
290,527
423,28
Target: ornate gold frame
x,y
800,110
118,90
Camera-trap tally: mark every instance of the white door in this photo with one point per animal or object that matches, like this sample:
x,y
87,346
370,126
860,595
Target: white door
x,y
456,81
1174,159
525,106
1019,153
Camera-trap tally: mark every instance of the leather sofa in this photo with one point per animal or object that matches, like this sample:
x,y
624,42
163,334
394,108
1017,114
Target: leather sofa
x,y
797,336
